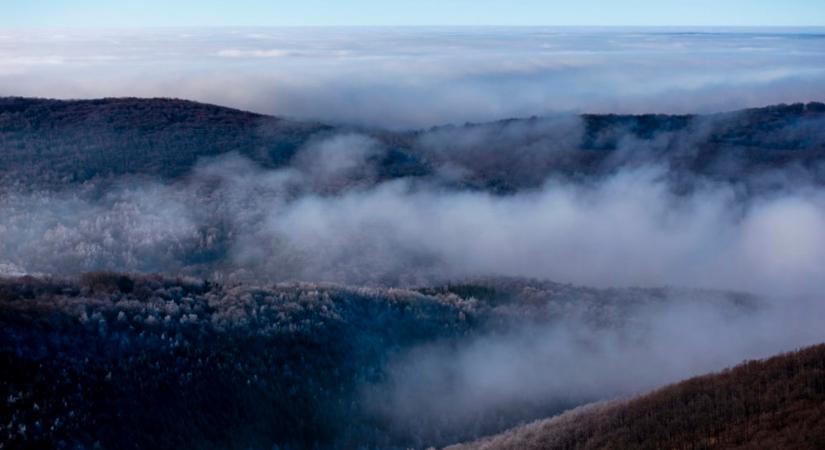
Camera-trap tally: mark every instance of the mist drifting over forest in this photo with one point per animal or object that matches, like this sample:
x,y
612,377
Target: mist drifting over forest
x,y
613,219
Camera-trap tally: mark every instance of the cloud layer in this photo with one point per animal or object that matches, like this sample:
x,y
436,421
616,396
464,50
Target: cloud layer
x,y
415,77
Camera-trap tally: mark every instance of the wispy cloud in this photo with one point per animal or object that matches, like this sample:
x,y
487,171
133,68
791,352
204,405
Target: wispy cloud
x,y
235,53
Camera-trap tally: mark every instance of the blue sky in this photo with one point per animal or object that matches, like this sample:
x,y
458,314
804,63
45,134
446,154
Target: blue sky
x,y
107,13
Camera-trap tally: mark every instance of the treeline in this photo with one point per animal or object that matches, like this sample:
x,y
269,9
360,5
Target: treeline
x,y
775,403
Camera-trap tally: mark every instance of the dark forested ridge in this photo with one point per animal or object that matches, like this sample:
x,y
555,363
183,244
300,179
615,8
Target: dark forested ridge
x,y
58,141
775,403
78,140
152,362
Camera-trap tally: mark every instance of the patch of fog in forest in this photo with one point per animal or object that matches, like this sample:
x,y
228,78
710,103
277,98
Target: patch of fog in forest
x,y
530,371
332,221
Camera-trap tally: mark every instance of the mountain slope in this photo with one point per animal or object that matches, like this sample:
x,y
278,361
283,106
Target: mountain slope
x,y
775,403
249,366
57,141
79,139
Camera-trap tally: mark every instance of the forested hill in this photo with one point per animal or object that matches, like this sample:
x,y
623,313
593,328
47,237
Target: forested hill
x,y
79,139
775,403
121,361
56,141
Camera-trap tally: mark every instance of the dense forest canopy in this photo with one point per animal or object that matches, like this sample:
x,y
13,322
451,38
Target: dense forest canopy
x,y
294,364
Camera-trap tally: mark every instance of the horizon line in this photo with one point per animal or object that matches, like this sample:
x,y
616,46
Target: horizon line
x,y
412,26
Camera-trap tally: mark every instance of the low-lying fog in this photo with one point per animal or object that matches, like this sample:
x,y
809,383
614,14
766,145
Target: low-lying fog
x,y
233,220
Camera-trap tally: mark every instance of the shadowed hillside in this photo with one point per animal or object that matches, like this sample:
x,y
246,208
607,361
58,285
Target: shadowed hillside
x,y
78,140
55,142
153,362
775,403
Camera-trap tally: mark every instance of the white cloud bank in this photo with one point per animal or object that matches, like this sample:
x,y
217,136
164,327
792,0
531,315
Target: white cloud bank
x,y
414,77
